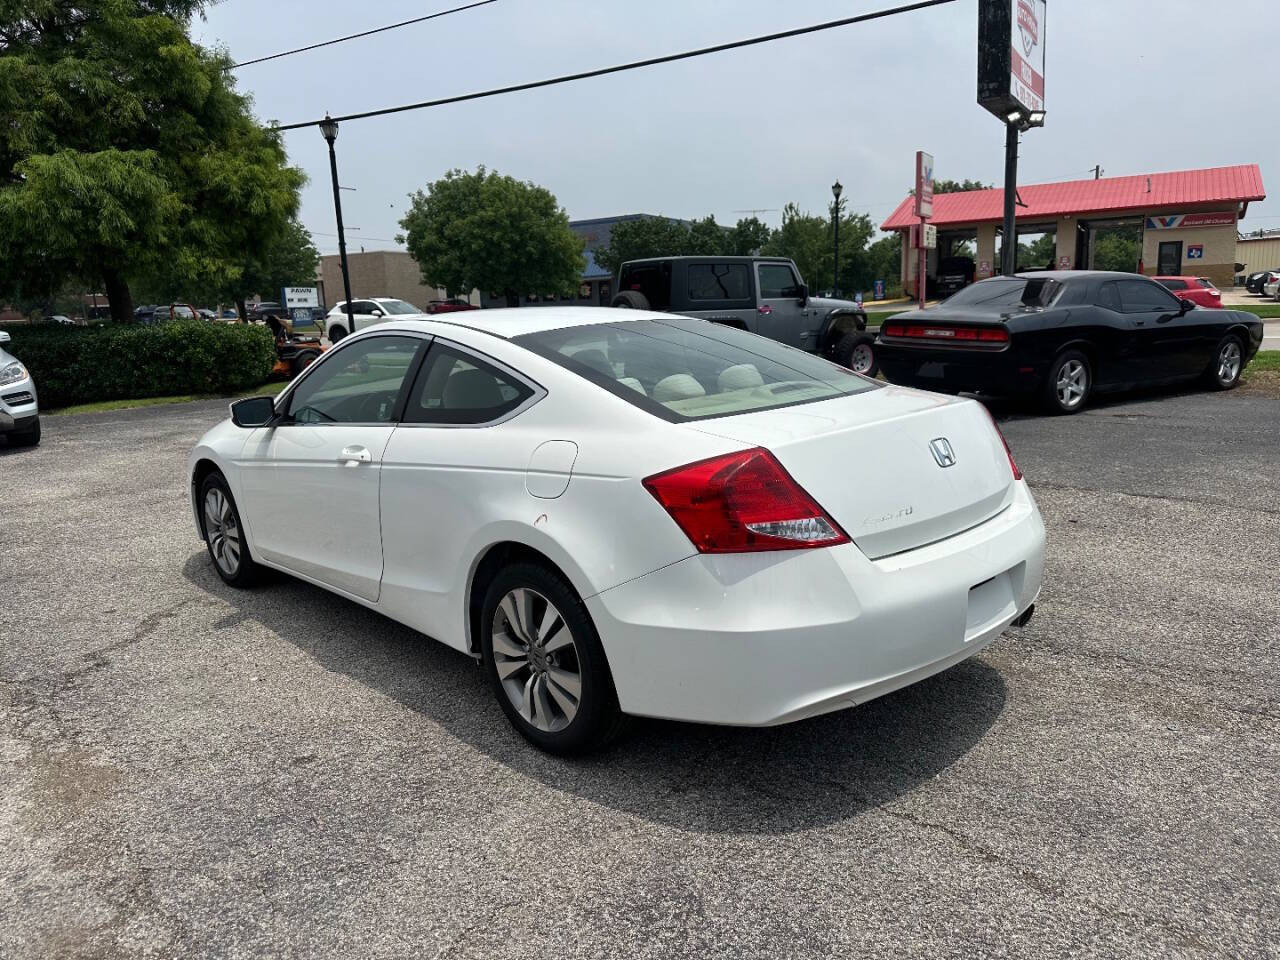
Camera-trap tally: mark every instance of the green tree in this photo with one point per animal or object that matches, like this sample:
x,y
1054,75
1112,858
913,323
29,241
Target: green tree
x,y
959,186
644,237
126,154
1118,249
884,258
807,240
1041,252
487,231
748,236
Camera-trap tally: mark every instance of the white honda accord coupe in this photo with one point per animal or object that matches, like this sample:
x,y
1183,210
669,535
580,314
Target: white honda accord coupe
x,y
626,513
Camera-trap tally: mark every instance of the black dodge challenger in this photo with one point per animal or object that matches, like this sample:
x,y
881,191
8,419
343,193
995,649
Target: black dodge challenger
x,y
1061,335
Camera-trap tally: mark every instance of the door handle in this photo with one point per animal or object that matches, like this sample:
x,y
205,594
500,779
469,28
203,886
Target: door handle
x,y
355,454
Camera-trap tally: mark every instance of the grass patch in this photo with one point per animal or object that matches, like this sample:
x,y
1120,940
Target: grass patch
x,y
1266,361
267,389
1267,311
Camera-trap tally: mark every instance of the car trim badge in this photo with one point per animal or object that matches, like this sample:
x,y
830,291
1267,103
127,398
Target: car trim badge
x,y
940,447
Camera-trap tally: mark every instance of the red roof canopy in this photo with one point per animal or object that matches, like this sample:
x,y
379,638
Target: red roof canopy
x,y
1109,195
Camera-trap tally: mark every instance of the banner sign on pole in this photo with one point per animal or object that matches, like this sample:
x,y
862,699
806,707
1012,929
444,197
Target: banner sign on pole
x,y
924,184
1011,56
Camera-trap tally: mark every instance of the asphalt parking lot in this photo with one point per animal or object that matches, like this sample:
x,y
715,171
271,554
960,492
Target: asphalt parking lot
x,y
193,771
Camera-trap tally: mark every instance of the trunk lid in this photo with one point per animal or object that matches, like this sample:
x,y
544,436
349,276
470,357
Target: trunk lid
x,y
867,460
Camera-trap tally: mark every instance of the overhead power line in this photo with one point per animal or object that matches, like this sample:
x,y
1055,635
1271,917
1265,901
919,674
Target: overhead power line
x,y
633,65
365,33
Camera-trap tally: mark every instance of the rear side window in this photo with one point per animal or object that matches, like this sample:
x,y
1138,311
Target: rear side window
x,y
1206,283
459,388
651,278
719,281
1109,297
682,369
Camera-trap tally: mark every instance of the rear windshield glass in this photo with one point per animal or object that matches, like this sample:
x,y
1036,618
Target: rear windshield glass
x,y
681,369
394,307
1007,292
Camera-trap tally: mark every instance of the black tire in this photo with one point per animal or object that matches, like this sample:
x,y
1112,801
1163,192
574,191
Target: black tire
x,y
246,571
631,299
597,719
1223,371
29,437
860,348
303,360
337,333
1068,364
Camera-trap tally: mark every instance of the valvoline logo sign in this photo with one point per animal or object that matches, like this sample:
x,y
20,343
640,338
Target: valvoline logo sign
x,y
1028,26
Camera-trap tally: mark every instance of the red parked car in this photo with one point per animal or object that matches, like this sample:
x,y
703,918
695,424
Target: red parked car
x,y
451,305
1198,290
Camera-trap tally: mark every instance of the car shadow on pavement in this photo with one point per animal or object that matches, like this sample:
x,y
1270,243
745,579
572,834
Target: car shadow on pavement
x,y
694,777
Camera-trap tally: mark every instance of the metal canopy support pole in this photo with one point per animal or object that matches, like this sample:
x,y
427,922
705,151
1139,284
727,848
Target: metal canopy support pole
x,y
1009,240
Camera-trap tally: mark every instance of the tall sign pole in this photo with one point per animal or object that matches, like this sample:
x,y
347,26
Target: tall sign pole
x,y
924,210
1011,43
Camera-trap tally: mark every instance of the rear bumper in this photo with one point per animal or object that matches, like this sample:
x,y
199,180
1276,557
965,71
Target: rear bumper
x,y
975,369
762,639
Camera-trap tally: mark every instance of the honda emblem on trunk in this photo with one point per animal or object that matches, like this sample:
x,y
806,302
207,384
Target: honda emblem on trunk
x,y
942,452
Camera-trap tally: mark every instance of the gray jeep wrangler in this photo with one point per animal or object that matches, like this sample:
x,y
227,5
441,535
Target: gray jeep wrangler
x,y
764,295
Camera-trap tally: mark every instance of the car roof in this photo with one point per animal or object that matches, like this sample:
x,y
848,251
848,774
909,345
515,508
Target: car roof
x,y
509,322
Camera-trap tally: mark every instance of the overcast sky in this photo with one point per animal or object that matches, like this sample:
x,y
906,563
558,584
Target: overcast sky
x,y
1135,86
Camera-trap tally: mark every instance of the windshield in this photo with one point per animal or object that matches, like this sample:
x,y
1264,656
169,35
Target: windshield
x,y
681,369
397,307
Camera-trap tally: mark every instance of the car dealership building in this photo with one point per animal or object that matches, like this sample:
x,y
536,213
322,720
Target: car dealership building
x,y
1188,221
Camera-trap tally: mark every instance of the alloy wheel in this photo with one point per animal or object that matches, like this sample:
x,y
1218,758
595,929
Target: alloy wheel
x,y
537,660
1229,362
1072,384
222,531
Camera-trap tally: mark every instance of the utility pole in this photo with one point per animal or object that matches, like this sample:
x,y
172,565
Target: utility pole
x,y
1097,171
329,130
1009,237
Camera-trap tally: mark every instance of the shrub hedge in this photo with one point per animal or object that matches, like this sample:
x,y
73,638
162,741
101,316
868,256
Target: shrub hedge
x,y
121,361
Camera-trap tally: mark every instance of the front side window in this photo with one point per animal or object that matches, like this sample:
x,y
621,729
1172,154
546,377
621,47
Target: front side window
x,y
356,384
1145,296
719,281
778,282
682,369
457,387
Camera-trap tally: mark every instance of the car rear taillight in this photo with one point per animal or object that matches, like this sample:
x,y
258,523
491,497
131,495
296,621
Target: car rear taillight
x,y
1017,474
743,502
965,334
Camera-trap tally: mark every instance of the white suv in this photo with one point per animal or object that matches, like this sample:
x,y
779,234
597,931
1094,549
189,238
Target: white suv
x,y
368,312
19,409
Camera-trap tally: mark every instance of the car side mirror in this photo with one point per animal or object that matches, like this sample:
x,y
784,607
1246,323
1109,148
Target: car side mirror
x,y
253,412
1184,305
4,337
804,294
375,312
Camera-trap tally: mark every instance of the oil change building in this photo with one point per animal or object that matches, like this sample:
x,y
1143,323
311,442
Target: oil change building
x,y
1187,220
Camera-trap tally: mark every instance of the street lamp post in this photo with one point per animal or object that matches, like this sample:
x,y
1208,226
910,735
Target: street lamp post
x,y
836,190
1015,124
329,130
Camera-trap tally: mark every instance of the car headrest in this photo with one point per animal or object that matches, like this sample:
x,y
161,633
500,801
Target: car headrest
x,y
633,384
739,377
595,359
678,386
471,390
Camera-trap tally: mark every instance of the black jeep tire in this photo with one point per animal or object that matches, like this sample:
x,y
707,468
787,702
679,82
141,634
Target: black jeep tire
x,y
631,299
856,351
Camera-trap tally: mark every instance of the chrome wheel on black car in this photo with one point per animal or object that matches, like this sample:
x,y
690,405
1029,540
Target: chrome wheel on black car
x,y
1228,363
1069,382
